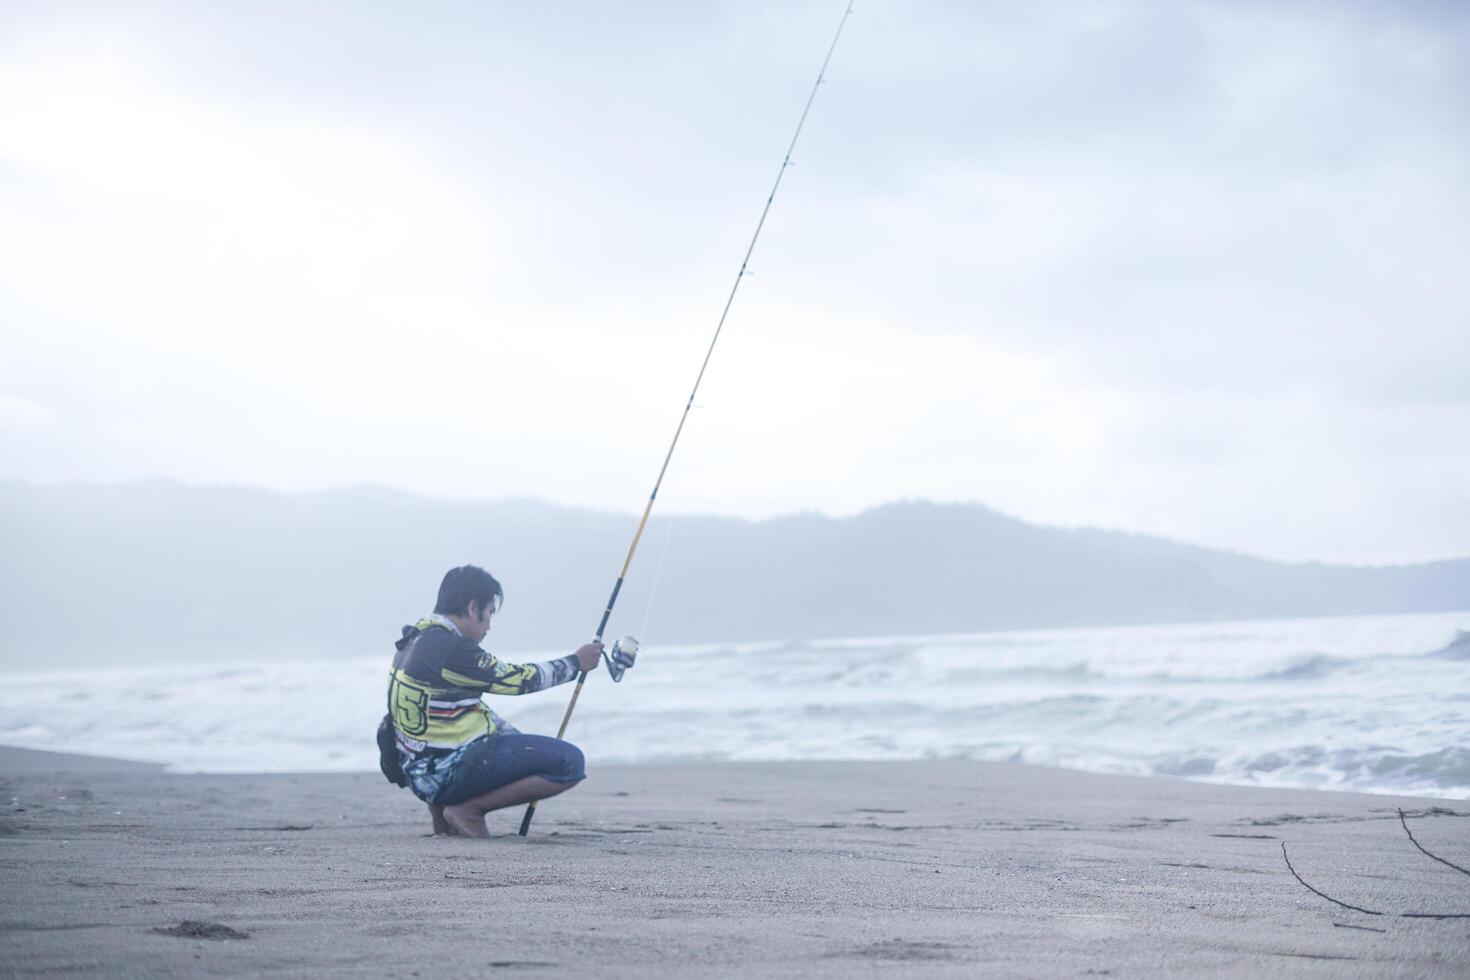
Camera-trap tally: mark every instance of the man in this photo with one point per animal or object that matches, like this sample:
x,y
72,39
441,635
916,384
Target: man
x,y
458,756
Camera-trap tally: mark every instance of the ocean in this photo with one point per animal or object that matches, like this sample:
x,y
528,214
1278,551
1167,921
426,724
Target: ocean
x,y
1370,703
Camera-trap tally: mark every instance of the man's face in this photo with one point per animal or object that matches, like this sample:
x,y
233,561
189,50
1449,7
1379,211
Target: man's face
x,y
479,617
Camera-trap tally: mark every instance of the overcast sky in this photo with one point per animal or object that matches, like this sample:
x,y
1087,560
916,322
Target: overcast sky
x,y
1193,269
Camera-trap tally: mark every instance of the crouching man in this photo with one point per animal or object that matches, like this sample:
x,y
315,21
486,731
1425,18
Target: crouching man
x,y
456,754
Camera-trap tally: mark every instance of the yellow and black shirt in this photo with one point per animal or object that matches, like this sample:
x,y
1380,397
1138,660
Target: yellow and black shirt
x,y
438,677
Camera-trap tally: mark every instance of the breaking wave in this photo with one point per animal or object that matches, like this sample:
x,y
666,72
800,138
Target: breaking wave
x,y
1373,703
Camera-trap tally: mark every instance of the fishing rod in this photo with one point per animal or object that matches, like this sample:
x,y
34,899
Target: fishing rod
x,y
648,508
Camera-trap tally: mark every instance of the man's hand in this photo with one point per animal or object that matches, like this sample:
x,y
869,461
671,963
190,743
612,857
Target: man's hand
x,y
588,655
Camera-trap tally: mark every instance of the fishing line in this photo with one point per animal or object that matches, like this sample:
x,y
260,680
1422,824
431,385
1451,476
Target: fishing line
x,y
658,571
719,327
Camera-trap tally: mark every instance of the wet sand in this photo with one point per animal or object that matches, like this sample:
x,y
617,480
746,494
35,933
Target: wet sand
x,y
942,869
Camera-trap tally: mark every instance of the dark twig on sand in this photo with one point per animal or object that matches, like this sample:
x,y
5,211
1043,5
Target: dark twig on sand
x,y
1402,915
1349,925
1421,847
1434,915
1316,892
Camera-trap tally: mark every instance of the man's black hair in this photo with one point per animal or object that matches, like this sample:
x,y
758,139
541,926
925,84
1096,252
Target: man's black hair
x,y
463,584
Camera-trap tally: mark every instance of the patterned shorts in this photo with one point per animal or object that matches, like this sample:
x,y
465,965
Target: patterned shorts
x,y
490,762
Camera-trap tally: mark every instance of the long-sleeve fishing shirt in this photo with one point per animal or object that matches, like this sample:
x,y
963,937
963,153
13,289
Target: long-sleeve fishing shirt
x,y
437,680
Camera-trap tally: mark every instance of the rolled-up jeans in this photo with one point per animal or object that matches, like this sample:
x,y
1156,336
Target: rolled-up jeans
x,y
497,760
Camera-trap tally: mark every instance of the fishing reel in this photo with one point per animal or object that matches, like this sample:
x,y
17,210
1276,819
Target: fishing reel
x,y
622,656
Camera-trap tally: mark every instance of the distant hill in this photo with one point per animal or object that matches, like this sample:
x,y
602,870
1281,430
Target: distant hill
x,y
154,572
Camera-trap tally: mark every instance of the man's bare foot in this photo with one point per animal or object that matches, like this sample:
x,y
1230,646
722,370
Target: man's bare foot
x,y
466,821
442,827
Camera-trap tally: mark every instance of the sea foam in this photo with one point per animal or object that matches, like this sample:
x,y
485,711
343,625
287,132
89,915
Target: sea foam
x,y
1371,703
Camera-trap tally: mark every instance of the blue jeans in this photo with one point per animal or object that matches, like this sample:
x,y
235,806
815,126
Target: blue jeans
x,y
494,761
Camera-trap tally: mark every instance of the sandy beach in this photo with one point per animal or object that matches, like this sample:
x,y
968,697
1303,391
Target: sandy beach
x,y
942,868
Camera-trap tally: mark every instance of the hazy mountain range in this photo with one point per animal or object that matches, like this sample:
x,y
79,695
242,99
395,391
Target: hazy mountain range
x,y
155,571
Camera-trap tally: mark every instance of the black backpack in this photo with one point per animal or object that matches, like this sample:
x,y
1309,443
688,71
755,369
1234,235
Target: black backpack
x,y
388,753
387,744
